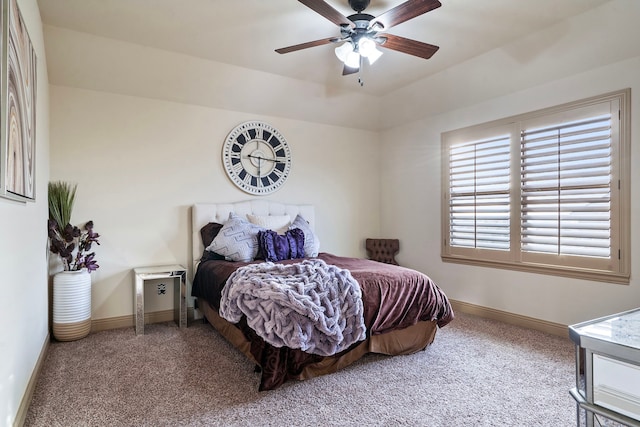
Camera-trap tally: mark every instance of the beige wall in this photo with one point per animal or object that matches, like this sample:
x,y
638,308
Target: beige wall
x,y
153,123
90,62
412,154
23,254
601,36
145,162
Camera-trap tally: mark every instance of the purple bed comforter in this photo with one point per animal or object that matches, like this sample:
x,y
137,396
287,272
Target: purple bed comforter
x,y
394,298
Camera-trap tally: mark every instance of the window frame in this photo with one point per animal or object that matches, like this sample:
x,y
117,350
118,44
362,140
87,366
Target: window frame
x,y
617,270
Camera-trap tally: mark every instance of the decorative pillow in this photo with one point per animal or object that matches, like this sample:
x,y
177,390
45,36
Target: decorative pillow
x,y
275,247
295,236
278,223
208,233
237,240
311,241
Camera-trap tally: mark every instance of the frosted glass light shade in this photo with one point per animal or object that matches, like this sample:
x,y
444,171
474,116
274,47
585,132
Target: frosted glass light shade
x,y
353,60
366,46
374,56
343,51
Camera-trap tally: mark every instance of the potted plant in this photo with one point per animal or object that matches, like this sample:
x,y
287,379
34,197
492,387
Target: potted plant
x,y
72,286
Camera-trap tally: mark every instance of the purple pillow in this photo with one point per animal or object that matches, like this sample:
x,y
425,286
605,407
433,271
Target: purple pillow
x,y
275,247
295,237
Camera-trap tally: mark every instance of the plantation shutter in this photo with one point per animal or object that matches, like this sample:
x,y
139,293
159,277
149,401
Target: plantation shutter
x,y
566,188
479,193
545,192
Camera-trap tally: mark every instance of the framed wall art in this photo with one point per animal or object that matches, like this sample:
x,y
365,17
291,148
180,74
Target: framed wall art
x,y
17,107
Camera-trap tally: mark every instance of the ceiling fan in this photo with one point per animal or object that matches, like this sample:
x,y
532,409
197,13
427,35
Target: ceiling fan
x,y
363,33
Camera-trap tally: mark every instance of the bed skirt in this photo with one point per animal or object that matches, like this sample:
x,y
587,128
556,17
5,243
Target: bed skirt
x,y
403,341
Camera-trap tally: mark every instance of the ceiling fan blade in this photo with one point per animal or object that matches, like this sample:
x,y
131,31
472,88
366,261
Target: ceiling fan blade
x,y
348,70
321,7
412,47
306,45
405,11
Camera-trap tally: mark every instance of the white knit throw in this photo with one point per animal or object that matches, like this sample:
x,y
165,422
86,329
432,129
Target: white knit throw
x,y
310,305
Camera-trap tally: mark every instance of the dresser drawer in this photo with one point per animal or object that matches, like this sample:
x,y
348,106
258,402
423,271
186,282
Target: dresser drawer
x,y
616,385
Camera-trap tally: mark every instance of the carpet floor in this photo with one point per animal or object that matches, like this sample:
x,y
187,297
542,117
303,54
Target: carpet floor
x,y
477,372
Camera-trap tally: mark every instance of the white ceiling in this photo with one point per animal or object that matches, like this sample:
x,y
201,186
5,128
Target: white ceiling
x,y
245,33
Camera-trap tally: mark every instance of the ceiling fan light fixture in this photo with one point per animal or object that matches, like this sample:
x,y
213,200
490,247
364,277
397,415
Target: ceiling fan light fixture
x,y
377,26
374,55
366,46
353,60
368,49
343,51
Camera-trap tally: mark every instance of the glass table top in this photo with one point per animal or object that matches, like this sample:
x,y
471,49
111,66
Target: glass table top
x,y
622,329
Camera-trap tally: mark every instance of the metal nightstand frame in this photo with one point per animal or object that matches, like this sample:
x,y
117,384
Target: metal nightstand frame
x,y
179,275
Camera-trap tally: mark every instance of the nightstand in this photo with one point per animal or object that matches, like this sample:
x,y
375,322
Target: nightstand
x,y
179,275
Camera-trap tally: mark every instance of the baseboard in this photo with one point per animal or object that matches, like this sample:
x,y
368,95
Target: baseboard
x,y
21,416
119,322
129,321
460,306
510,318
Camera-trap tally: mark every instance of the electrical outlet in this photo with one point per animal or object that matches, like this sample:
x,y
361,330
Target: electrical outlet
x,y
162,289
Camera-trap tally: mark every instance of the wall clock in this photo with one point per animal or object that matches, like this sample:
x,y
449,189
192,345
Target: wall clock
x,y
256,158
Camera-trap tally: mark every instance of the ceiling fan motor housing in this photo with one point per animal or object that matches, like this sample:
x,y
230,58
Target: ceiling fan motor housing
x,y
359,5
361,19
361,27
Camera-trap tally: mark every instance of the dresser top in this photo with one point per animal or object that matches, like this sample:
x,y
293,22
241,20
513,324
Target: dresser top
x,y
619,329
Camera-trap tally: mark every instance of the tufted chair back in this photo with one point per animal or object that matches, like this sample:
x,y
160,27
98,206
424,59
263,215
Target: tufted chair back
x,y
383,250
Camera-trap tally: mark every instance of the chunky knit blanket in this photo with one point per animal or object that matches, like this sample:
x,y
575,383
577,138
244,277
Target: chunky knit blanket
x,y
311,305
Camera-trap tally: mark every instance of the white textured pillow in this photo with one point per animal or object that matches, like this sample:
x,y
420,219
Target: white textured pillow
x,y
237,240
278,223
311,241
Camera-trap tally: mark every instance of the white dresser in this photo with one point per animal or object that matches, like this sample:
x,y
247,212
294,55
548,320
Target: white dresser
x,y
608,355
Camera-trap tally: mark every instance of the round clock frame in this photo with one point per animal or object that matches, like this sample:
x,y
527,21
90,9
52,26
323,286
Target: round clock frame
x,y
256,157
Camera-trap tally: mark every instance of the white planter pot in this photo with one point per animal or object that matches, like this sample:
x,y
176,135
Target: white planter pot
x,y
71,305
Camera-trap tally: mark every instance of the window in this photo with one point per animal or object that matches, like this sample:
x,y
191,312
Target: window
x,y
546,191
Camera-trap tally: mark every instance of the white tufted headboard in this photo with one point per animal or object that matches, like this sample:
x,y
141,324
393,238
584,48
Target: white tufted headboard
x,y
204,213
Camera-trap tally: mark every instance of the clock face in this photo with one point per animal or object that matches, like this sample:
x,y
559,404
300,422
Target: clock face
x,y
256,157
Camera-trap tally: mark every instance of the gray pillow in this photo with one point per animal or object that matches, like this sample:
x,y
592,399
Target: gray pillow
x,y
237,240
311,241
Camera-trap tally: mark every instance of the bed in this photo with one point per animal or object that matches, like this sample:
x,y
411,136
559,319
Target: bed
x,y
400,309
